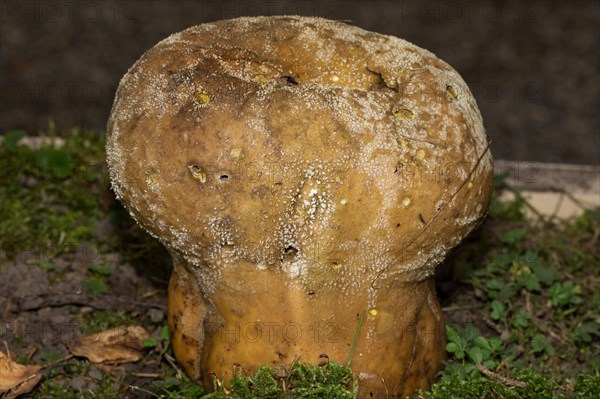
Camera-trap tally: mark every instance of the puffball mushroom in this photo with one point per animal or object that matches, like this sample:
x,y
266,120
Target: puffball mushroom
x,y
301,172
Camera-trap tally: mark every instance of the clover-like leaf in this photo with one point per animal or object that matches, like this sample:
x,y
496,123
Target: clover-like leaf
x,y
475,354
498,310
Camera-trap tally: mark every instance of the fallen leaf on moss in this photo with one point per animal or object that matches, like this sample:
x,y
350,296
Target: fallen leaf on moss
x,y
17,379
114,346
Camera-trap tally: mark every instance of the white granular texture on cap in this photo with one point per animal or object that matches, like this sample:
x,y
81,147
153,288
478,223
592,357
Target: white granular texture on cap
x,y
311,196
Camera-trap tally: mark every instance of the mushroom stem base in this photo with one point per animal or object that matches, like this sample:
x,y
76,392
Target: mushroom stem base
x,y
400,346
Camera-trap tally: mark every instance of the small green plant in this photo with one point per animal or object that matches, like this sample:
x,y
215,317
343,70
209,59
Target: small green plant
x,y
470,348
587,332
100,320
564,297
100,269
175,386
93,286
498,310
48,266
539,344
524,273
514,236
52,356
522,319
162,343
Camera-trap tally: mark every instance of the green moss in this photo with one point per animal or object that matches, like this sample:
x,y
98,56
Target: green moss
x,y
55,388
50,389
329,381
50,196
304,381
97,321
538,386
587,386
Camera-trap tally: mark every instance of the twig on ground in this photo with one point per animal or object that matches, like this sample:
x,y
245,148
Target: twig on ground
x,y
147,375
140,389
7,350
457,308
171,361
499,378
528,204
492,325
51,300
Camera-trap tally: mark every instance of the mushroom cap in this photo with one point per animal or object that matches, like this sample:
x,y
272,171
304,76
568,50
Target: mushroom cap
x,y
335,157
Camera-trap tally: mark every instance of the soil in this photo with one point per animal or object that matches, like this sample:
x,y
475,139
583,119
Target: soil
x,y
41,315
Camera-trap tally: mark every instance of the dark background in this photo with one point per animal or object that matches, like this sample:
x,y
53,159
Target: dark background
x,y
532,65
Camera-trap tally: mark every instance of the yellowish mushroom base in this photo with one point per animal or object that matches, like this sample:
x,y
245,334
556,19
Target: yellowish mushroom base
x,y
264,322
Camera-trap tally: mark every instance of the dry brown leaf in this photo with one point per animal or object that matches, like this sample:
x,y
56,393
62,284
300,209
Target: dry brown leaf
x,y
114,346
17,379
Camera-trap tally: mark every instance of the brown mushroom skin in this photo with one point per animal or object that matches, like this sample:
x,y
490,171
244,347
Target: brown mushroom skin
x,y
409,355
301,172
